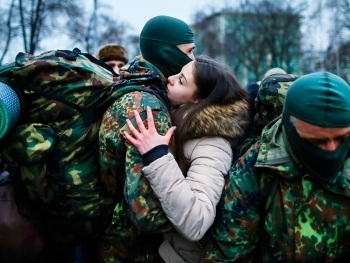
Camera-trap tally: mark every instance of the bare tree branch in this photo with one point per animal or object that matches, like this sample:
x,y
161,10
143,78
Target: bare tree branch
x,y
9,32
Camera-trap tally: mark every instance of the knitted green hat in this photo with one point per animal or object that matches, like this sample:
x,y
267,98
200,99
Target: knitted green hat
x,y
321,99
158,43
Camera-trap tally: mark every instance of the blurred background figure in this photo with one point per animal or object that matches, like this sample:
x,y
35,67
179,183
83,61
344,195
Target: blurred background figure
x,y
114,55
272,71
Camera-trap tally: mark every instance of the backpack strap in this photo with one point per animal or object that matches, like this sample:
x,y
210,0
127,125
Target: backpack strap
x,y
72,55
54,172
268,193
14,177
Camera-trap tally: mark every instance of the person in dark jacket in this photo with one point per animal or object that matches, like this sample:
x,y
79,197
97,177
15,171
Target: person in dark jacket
x,y
287,199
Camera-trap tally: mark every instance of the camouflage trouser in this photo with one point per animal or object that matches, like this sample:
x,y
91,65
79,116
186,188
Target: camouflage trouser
x,y
87,253
149,258
122,242
145,249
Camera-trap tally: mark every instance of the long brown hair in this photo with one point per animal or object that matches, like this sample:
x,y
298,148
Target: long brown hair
x,y
216,85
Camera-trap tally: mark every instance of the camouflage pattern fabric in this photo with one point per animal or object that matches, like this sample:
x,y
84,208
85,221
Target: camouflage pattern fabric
x,y
121,169
270,97
269,103
53,151
271,211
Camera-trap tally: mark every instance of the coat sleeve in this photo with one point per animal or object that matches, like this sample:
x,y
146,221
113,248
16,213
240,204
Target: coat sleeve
x,y
190,201
121,162
235,232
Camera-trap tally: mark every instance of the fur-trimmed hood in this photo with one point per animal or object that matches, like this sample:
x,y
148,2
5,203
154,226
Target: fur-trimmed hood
x,y
229,121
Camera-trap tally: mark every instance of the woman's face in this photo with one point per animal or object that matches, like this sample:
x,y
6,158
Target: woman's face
x,y
181,87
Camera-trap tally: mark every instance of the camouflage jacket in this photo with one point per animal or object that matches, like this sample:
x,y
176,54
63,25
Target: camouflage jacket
x,y
121,166
272,211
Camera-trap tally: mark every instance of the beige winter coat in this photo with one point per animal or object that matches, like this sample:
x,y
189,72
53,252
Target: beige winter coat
x,y
190,201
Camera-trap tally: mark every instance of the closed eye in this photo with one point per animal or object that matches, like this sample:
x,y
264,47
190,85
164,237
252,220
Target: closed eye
x,y
338,140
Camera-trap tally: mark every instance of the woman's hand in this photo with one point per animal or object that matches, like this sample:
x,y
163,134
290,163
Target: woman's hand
x,y
146,140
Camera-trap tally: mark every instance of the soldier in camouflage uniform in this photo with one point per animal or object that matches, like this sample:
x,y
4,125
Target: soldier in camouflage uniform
x,y
163,54
287,198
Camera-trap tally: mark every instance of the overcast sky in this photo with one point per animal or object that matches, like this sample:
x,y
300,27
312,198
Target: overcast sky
x,y
138,12
134,12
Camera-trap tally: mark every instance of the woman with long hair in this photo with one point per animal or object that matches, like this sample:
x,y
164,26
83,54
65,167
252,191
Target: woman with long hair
x,y
210,111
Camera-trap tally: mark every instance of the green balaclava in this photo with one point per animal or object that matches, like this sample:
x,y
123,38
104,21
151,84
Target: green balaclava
x,y
321,99
158,43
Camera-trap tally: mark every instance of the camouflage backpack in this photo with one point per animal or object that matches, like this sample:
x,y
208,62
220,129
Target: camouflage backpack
x,y
51,149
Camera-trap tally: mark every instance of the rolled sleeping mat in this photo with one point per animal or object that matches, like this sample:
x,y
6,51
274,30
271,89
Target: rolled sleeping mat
x,y
10,108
